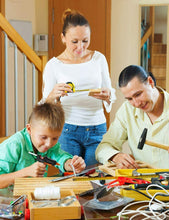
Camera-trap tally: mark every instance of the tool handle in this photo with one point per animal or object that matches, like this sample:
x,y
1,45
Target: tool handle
x,y
141,186
162,146
158,182
47,160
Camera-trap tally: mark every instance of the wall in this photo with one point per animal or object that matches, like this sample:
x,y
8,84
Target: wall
x,y
161,21
41,13
125,36
21,10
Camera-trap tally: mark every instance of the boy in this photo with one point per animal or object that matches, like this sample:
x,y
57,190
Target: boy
x,y
40,137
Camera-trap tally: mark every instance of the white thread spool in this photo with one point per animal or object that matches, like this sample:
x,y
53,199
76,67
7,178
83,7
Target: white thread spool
x,y
47,192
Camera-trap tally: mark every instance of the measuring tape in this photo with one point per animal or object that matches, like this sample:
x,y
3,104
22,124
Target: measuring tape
x,y
93,178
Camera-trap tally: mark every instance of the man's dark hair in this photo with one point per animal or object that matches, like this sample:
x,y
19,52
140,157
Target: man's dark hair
x,y
134,71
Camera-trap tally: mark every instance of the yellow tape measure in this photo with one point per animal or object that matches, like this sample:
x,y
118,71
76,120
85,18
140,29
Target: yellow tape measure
x,y
94,178
82,90
72,86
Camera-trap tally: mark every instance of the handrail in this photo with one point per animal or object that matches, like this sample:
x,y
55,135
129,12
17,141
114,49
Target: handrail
x,y
20,42
146,36
37,62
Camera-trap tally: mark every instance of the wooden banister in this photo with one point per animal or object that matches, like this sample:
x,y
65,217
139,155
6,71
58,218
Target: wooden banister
x,y
20,42
146,36
38,61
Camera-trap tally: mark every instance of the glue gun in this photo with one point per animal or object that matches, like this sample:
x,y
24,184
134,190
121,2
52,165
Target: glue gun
x,y
45,160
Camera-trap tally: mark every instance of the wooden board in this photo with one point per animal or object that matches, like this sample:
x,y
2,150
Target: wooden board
x,y
73,211
28,185
111,169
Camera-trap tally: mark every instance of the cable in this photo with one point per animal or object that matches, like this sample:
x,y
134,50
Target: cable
x,y
154,196
151,214
136,190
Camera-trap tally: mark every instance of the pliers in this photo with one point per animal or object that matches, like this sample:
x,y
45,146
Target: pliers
x,y
126,180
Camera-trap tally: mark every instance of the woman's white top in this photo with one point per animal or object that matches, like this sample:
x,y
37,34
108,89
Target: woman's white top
x,y
80,109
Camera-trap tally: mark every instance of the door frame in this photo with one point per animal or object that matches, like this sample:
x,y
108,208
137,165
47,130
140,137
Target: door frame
x,y
157,3
2,76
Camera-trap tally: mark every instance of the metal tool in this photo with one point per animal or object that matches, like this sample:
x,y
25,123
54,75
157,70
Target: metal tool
x,y
91,191
44,160
143,141
135,173
74,172
115,200
126,180
93,178
84,172
19,200
66,201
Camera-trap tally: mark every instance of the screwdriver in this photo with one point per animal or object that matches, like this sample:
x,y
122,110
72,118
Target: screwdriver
x,y
45,160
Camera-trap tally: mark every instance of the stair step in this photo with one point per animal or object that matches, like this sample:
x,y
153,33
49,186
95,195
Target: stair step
x,y
158,71
159,48
161,83
158,60
158,38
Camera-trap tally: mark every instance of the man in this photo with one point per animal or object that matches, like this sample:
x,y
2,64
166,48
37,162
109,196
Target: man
x,y
147,106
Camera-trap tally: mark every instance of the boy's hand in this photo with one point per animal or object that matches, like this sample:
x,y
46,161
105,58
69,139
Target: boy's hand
x,y
77,162
37,169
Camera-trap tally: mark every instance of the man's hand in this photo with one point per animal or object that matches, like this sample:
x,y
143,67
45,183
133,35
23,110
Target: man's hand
x,y
124,161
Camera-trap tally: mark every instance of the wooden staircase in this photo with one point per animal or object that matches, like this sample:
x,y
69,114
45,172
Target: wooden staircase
x,y
158,60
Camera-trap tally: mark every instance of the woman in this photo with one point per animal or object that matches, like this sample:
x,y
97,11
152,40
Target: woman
x,y
86,69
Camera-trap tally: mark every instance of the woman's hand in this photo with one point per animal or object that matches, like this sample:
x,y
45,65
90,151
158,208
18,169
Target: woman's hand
x,y
59,90
103,95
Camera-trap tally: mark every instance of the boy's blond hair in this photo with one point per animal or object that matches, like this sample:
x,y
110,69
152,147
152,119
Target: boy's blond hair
x,y
51,114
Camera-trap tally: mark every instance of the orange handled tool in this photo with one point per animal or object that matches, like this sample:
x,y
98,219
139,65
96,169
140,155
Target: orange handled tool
x,y
45,160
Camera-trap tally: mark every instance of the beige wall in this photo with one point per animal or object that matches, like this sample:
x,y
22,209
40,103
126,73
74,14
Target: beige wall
x,y
125,36
21,10
41,9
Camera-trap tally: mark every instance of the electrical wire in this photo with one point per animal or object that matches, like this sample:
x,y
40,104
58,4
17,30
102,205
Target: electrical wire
x,y
150,214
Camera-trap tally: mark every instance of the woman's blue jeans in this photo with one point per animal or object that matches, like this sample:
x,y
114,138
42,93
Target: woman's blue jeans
x,y
82,140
